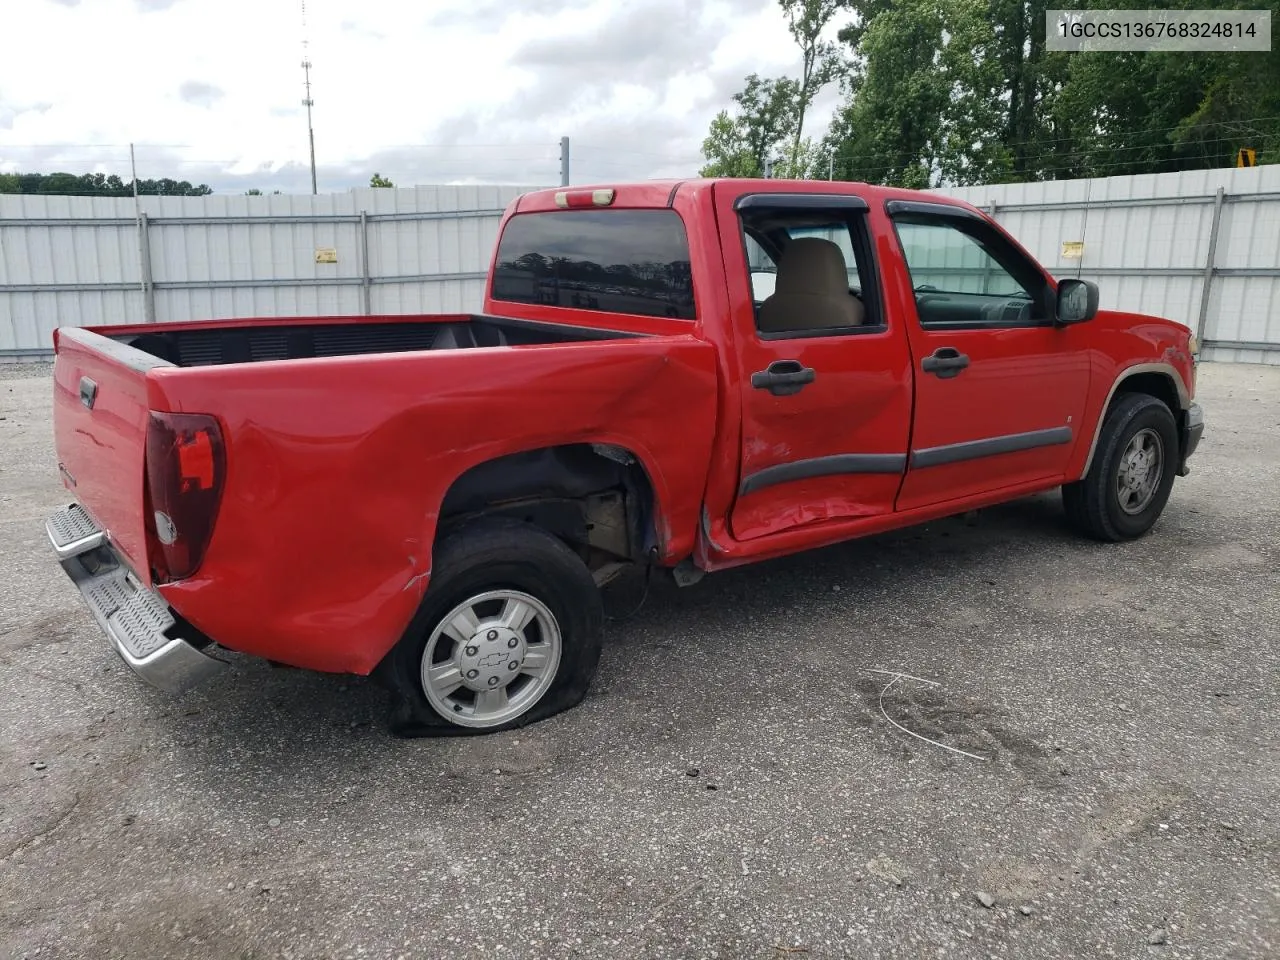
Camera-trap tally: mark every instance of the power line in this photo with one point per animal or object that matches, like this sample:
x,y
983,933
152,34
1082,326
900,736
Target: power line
x,y
1131,133
382,146
550,154
1097,150
872,174
356,161
469,146
637,153
1094,158
122,146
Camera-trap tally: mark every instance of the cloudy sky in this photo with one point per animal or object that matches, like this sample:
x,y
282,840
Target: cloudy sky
x,y
433,91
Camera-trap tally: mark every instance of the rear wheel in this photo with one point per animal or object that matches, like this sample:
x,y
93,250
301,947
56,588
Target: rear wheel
x,y
1132,474
508,634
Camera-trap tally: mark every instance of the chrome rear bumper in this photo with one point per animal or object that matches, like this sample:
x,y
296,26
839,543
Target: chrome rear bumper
x,y
140,625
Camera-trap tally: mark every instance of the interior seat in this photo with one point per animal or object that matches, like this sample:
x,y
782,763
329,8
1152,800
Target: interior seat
x,y
811,291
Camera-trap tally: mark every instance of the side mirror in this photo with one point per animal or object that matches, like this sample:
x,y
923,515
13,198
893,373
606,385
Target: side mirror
x,y
1077,300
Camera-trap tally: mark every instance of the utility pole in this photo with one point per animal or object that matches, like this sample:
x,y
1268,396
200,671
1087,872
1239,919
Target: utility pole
x,y
307,101
311,134
144,245
133,169
564,161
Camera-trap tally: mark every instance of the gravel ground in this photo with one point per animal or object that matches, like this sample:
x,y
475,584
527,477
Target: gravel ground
x,y
730,788
25,371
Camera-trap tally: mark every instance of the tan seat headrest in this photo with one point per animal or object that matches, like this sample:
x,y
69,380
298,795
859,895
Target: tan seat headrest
x,y
811,291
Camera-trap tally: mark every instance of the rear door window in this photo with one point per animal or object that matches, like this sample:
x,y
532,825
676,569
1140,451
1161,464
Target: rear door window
x,y
615,261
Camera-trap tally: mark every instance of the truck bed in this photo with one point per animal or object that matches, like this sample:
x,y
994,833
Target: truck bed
x,y
241,341
350,450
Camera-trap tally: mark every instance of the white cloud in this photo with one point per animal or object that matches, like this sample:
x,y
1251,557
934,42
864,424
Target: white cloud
x,y
450,90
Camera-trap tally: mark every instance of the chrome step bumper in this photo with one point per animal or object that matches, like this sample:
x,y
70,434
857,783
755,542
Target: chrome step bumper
x,y
73,532
137,621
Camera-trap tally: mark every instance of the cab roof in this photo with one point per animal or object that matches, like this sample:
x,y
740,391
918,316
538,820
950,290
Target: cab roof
x,y
663,193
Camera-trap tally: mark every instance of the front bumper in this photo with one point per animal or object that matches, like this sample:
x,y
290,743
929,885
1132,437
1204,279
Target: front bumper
x,y
142,628
1192,431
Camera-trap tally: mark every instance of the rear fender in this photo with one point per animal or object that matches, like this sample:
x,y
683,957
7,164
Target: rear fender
x,y
560,487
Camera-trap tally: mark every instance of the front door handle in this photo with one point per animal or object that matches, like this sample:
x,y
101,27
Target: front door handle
x,y
783,377
946,362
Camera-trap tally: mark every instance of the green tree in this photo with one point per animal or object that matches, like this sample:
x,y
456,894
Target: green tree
x,y
97,185
967,91
809,160
1019,51
745,144
166,187
889,129
1159,111
820,60
66,184
378,180
726,150
971,146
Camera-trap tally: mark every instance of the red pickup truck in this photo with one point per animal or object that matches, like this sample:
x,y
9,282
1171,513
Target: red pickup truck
x,y
686,376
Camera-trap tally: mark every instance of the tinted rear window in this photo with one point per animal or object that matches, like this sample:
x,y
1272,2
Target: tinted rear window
x,y
618,261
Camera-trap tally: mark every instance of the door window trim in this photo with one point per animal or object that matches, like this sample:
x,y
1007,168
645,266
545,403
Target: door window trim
x,y
942,213
801,201
854,212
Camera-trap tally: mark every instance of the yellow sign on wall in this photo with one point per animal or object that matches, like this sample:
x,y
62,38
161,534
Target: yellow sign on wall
x,y
1072,249
326,255
1247,157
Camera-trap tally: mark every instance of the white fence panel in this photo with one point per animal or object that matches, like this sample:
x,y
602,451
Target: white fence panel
x,y
94,261
1151,242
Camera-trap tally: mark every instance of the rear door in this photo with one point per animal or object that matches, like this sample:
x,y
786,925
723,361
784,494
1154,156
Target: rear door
x,y
999,386
100,416
826,410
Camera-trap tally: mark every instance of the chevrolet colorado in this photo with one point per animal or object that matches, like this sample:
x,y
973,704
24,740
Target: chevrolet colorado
x,y
681,375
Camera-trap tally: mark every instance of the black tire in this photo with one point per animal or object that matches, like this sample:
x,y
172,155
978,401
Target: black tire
x,y
1093,504
499,555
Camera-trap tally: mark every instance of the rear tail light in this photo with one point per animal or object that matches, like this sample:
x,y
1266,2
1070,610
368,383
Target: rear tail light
x,y
186,468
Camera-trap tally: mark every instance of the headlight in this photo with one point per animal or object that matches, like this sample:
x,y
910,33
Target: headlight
x,y
1193,345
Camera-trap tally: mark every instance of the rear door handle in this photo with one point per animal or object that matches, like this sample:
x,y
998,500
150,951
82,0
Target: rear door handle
x,y
946,362
783,377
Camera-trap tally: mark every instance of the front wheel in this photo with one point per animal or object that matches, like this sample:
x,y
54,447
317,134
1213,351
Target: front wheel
x,y
1132,474
508,634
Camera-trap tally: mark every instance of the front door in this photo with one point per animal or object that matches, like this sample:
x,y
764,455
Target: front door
x,y
825,379
999,386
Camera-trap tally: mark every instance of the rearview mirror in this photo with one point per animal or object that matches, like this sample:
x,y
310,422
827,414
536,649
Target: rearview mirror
x,y
1077,300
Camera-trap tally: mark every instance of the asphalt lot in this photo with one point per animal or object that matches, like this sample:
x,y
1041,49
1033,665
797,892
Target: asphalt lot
x,y
1124,699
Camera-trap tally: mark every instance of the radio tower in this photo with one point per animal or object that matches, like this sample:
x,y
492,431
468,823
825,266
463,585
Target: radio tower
x,y
308,102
